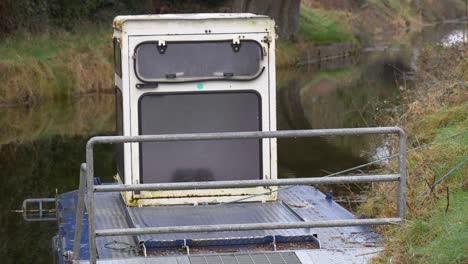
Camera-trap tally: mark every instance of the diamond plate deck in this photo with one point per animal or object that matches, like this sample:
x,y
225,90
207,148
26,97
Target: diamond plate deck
x,y
248,258
110,213
317,256
295,204
238,213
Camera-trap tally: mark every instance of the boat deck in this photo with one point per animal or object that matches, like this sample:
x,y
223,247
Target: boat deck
x,y
299,203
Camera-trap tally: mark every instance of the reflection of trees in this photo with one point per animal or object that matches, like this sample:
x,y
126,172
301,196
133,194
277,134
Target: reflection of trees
x,y
435,34
290,110
350,97
41,149
84,116
36,169
306,156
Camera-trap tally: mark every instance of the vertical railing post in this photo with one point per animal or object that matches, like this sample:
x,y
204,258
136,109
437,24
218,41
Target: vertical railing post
x,y
401,199
79,213
90,200
40,209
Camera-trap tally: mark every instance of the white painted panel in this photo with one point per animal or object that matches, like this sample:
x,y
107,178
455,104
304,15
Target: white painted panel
x,y
264,85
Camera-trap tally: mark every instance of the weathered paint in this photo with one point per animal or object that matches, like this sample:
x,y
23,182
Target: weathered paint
x,y
132,30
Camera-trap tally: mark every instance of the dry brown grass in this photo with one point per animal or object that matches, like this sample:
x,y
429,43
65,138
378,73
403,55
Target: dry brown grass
x,y
436,108
70,66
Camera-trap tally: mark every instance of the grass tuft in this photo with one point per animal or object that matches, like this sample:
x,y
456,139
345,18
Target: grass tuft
x,y
55,65
322,27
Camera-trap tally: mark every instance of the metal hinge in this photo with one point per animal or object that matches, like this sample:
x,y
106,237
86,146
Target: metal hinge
x,y
267,39
236,44
162,46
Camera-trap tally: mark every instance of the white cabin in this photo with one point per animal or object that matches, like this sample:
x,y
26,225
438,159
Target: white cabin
x,y
195,73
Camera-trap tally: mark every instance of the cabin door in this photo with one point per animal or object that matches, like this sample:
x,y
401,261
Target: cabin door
x,y
199,84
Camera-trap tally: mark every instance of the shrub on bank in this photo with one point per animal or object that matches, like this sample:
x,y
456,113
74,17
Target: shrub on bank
x,y
435,109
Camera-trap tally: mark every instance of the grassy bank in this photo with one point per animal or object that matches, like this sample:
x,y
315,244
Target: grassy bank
x,y
317,27
54,65
361,22
436,230
65,64
375,19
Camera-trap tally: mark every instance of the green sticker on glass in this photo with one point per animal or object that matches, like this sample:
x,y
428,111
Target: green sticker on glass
x,y
199,86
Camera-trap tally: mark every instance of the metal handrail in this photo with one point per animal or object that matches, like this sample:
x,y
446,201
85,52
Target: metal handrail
x,y
245,227
244,183
90,188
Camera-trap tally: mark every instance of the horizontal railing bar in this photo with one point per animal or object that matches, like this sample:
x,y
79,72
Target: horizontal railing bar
x,y
246,135
244,227
45,200
40,219
244,183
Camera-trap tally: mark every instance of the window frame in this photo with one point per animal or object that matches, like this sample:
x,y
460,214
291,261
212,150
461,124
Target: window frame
x,y
202,78
260,120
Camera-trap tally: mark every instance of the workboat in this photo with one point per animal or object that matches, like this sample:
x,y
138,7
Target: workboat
x,y
196,169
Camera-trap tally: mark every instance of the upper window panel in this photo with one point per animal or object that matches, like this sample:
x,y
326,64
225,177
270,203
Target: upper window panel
x,y
187,61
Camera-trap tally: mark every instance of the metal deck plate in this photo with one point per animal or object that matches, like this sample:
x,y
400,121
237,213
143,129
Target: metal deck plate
x,y
110,213
316,256
248,258
343,244
238,213
310,204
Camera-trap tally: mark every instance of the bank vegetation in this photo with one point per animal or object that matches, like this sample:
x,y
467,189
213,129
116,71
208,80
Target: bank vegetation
x,y
434,110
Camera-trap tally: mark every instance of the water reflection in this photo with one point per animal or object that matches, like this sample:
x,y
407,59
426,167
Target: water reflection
x,y
88,115
359,93
41,147
446,34
37,169
351,92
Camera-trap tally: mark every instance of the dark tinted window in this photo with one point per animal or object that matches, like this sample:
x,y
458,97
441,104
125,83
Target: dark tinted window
x,y
197,60
119,132
200,160
117,58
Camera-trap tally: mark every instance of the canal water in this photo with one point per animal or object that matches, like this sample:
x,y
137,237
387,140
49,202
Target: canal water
x,y
42,147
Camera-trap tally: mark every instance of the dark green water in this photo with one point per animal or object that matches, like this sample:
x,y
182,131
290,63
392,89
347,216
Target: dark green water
x,y
41,148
